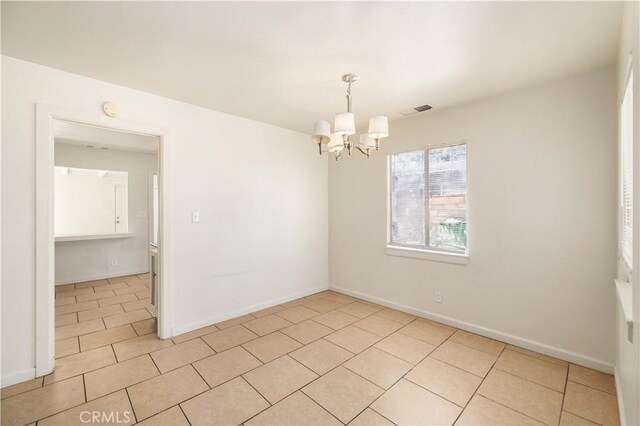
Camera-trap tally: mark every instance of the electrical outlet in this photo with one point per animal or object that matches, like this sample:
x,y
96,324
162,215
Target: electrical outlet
x,y
114,262
437,297
195,217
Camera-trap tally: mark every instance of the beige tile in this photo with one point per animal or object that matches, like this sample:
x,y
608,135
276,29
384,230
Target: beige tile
x,y
296,409
319,295
592,378
235,321
65,287
80,363
145,326
437,324
171,417
30,406
464,357
405,347
343,393
66,319
370,418
378,326
323,305
484,412
335,319
294,302
76,307
117,300
266,324
136,304
132,348
106,337
279,378
131,289
531,399
19,388
119,376
568,419
426,332
353,339
449,382
95,296
122,279
228,404
307,331
229,337
72,330
76,292
321,356
358,309
298,314
267,311
100,312
67,347
533,369
341,298
271,346
409,404
115,407
126,318
379,367
591,404
480,343
113,286
178,355
397,316
157,394
195,333
63,301
94,283
538,355
226,365
143,294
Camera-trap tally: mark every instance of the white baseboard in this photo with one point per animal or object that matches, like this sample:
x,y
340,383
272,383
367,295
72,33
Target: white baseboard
x,y
616,375
101,276
181,329
19,377
542,348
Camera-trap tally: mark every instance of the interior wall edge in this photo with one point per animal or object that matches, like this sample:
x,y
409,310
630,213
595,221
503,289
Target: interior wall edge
x,y
181,329
619,394
492,333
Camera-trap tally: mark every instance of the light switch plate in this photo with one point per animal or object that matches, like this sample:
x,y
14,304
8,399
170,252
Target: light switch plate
x,y
195,217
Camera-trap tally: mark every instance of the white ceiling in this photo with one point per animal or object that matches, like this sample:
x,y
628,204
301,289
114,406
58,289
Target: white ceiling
x,y
68,133
281,62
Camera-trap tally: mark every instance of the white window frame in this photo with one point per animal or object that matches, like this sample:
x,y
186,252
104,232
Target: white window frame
x,y
421,252
628,268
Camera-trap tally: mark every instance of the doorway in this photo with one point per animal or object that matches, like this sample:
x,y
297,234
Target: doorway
x,y
119,213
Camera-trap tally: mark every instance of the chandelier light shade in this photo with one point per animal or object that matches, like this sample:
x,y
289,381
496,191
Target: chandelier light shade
x,y
321,132
345,124
344,128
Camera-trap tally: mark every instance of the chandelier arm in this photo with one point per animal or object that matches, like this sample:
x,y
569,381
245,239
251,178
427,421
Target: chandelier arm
x,y
363,151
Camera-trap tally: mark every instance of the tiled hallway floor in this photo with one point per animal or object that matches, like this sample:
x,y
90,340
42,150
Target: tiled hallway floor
x,y
323,359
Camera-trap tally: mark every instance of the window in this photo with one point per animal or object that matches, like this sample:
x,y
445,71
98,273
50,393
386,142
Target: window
x,y
90,202
626,174
428,199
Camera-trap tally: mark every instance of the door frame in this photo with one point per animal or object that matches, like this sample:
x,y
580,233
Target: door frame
x,y
45,240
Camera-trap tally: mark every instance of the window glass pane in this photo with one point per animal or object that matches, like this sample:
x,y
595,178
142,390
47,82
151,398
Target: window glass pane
x,y
407,198
448,198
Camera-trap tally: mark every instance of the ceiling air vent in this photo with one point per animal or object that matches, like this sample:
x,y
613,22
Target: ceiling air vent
x,y
416,110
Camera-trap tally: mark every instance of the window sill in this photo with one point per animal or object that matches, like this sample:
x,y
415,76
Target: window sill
x,y
435,256
64,238
625,298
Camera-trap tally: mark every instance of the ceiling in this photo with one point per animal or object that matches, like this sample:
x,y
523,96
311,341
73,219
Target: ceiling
x,y
68,133
281,62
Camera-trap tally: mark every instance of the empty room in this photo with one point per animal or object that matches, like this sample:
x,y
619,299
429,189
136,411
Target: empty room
x,y
320,213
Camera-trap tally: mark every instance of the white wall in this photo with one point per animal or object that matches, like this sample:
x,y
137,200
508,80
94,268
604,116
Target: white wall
x,y
88,260
628,353
261,192
542,220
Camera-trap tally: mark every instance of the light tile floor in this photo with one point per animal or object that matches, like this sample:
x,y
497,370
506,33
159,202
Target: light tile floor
x,y
320,360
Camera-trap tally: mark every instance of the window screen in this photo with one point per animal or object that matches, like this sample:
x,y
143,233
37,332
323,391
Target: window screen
x,y
428,198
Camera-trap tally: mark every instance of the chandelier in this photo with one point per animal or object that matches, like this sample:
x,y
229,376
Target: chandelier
x,y
344,130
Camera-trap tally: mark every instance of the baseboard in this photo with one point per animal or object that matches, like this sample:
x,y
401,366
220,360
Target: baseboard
x,y
102,276
542,348
616,375
19,377
181,329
